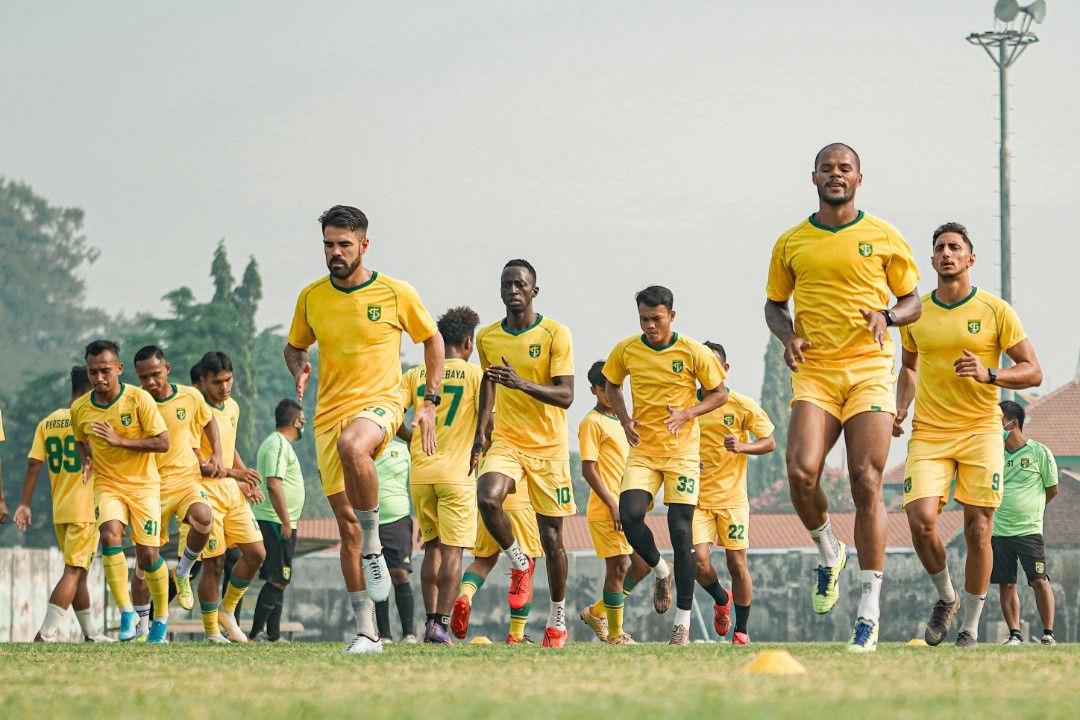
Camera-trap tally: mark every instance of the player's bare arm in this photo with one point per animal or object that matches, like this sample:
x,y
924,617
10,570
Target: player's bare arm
x,y
590,471
87,459
760,446
215,463
299,363
22,513
905,388
907,310
711,400
247,478
617,400
485,421
778,318
1026,373
276,492
104,430
560,393
434,361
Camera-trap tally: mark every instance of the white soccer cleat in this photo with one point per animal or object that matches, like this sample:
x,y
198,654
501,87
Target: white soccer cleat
x,y
218,639
228,623
376,577
98,637
363,645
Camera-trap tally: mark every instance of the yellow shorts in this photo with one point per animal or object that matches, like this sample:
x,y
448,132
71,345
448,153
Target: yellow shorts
x,y
447,512
330,472
526,532
677,475
551,492
976,461
175,502
78,543
234,523
606,540
141,510
846,388
730,525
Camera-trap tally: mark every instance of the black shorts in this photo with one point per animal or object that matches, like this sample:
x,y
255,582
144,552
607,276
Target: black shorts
x,y
397,543
277,567
1028,549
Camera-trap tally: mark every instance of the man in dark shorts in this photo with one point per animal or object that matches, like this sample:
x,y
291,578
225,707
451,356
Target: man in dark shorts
x,y
283,501
396,536
1031,478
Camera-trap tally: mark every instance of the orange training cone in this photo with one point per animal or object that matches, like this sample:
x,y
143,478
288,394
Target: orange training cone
x,y
776,662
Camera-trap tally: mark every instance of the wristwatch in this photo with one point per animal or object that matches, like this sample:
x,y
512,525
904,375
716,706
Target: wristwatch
x,y
890,317
993,375
433,398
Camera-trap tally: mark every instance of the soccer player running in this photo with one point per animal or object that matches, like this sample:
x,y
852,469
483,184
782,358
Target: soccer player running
x,y
841,264
187,418
234,523
951,368
277,515
665,369
117,429
357,316
1029,483
604,449
73,514
529,381
442,485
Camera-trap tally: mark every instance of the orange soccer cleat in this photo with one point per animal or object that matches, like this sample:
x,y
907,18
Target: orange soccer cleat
x,y
521,587
459,618
554,637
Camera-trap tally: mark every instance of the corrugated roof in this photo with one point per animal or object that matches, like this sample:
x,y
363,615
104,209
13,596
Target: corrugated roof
x,y
1054,420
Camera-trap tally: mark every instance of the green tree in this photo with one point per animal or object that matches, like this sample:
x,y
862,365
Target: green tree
x,y
776,402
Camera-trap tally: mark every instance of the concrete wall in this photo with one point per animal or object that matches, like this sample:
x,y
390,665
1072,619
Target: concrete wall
x,y
27,577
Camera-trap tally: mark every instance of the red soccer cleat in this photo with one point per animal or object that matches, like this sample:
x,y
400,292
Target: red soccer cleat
x,y
740,638
459,618
554,637
722,617
521,587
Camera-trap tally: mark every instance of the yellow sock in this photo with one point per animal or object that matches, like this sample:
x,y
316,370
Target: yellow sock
x,y
613,605
470,583
597,608
209,617
233,593
518,618
116,575
157,581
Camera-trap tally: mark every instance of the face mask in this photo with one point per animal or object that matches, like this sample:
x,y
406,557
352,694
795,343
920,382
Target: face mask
x,y
1005,432
300,432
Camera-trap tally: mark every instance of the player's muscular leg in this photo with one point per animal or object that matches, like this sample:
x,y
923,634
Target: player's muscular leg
x,y
1010,606
638,569
210,582
429,574
978,526
112,534
812,432
200,521
615,573
633,504
867,436
742,587
449,577
705,572
399,576
81,600
491,490
922,518
483,566
680,520
67,589
357,444
1044,600
140,591
349,531
251,559
146,556
555,554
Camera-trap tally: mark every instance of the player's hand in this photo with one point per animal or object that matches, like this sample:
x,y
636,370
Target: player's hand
x,y
732,445
424,418
630,428
898,422
301,377
22,517
87,470
105,431
252,493
505,375
970,366
613,508
3,512
875,325
676,419
480,446
286,531
215,467
245,476
793,352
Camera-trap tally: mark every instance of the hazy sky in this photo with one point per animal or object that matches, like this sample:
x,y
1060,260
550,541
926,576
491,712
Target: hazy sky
x,y
614,145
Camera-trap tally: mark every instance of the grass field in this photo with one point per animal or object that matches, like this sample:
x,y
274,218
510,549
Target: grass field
x,y
652,681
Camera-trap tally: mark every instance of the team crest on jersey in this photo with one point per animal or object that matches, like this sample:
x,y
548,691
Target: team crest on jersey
x,y
534,351
1040,568
374,312
974,326
676,366
233,421
212,545
181,413
866,249
907,484
729,420
125,419
393,453
1024,462
286,572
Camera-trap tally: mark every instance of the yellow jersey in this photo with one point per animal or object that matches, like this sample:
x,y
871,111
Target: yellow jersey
x,y
228,418
659,377
186,414
723,473
455,425
358,330
54,445
947,406
538,353
133,414
833,272
602,440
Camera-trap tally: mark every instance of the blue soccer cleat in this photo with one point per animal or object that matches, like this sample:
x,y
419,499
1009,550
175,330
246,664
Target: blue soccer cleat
x,y
129,625
158,632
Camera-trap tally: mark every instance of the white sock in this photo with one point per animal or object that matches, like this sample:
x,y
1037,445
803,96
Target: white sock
x,y
369,529
661,570
144,618
127,608
518,559
187,559
557,615
364,611
827,544
943,583
682,617
973,607
86,622
870,604
53,617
